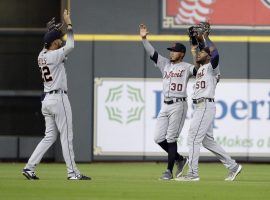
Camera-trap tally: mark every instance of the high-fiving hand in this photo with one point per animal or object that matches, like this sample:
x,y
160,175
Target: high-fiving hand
x,y
143,31
66,17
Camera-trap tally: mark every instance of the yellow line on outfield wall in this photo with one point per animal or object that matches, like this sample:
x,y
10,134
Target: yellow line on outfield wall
x,y
86,37
134,38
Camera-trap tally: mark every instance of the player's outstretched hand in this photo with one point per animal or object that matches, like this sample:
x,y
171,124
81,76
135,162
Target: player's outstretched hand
x,y
194,48
206,28
205,34
143,31
66,17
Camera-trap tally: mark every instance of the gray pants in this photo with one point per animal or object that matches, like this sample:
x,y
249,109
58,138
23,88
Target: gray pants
x,y
201,132
170,122
56,110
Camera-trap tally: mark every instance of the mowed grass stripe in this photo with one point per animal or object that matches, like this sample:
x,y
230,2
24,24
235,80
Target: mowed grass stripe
x,y
132,181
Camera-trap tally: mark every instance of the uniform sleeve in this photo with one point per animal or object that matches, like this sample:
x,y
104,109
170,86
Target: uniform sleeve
x,y
159,60
59,55
162,62
214,52
192,70
214,58
70,42
216,71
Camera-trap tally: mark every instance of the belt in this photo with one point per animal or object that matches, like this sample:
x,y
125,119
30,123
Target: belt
x,y
57,92
196,101
176,100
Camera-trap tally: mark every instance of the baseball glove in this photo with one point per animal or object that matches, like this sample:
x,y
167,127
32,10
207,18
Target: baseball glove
x,y
195,34
204,27
192,33
51,25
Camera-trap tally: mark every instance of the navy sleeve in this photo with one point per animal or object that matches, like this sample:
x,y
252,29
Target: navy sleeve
x,y
214,58
194,71
154,57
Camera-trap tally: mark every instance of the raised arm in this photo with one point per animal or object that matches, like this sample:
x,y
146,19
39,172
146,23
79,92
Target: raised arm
x,y
159,60
213,50
70,38
147,46
194,53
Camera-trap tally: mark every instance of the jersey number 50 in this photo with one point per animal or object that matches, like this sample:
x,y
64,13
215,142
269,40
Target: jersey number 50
x,y
46,74
177,87
200,84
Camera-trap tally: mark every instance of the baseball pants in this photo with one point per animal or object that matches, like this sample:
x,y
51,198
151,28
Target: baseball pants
x,y
56,110
201,132
170,122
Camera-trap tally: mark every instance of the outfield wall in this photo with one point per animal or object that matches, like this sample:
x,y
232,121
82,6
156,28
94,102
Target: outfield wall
x,y
107,45
126,111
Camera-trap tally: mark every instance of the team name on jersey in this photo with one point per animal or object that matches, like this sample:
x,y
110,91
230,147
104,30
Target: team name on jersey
x,y
200,74
42,61
172,74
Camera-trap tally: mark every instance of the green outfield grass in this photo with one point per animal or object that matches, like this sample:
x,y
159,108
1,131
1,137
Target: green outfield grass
x,y
133,181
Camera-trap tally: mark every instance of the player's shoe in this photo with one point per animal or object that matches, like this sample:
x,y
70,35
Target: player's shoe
x,y
79,177
30,175
232,175
167,175
180,166
187,178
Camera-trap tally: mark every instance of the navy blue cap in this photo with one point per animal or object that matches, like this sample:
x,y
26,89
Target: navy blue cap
x,y
52,35
207,50
178,47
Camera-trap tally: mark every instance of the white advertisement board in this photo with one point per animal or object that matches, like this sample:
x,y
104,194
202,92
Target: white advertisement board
x,y
126,110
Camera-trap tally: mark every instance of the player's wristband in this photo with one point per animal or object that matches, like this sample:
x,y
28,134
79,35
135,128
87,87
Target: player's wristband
x,y
70,25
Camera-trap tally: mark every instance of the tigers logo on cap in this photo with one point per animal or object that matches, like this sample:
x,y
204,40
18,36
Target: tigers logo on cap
x,y
177,47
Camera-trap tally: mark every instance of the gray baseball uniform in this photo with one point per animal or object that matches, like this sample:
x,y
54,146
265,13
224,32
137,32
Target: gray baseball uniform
x,y
201,128
56,108
172,116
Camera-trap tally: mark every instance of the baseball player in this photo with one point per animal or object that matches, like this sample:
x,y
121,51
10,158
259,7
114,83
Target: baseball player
x,y
201,128
55,104
170,121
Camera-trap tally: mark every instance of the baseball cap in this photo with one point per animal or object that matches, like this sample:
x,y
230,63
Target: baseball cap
x,y
178,47
207,50
52,35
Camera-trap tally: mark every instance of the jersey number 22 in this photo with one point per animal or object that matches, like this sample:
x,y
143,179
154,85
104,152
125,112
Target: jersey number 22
x,y
46,74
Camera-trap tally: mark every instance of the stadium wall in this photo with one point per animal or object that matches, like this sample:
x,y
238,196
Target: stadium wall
x,y
103,56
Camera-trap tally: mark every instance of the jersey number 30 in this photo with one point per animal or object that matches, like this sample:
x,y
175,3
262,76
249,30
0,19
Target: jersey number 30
x,y
46,74
177,87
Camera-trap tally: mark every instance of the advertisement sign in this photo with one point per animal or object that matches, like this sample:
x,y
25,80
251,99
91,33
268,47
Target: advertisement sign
x,y
229,14
126,111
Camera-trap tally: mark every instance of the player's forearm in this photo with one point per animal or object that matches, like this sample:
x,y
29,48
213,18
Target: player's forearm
x,y
148,47
214,59
210,45
70,41
194,53
154,56
213,50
